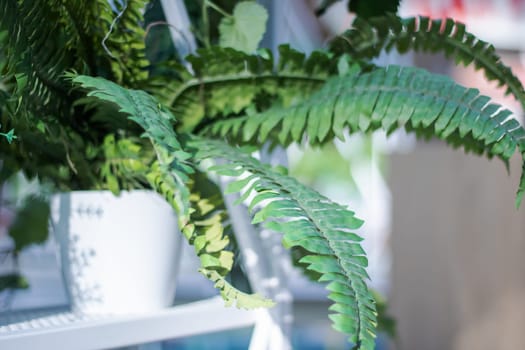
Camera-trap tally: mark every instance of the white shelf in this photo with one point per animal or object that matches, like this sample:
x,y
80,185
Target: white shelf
x,y
74,331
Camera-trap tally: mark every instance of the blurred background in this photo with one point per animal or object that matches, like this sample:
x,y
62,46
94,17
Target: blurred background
x,y
444,240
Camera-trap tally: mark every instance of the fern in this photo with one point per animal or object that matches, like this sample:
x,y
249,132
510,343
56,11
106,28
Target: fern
x,y
225,82
77,18
170,176
233,296
389,98
124,42
310,221
368,38
55,137
34,61
210,239
156,121
126,163
38,55
243,98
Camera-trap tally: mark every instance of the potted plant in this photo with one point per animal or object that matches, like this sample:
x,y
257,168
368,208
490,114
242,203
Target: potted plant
x,y
79,149
229,102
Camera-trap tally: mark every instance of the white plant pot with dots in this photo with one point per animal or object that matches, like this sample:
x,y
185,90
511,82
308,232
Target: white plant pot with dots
x,y
120,254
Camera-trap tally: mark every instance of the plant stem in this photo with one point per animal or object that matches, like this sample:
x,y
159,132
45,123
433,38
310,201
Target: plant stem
x,y
218,9
205,20
205,23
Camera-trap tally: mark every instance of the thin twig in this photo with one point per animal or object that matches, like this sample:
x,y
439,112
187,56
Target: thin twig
x,y
205,23
106,37
218,9
180,32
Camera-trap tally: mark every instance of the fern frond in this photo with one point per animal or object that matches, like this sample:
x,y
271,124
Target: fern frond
x,y
124,42
310,221
77,19
126,163
209,226
199,220
225,81
156,121
210,238
234,297
389,98
368,38
35,61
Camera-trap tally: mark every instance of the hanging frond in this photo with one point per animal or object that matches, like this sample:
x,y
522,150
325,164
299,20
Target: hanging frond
x,y
199,220
225,82
368,38
210,238
234,297
156,121
208,225
389,98
311,221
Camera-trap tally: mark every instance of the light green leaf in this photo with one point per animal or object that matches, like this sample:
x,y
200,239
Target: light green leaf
x,y
244,30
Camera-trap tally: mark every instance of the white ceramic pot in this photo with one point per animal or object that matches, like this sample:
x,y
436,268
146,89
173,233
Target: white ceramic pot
x,y
120,254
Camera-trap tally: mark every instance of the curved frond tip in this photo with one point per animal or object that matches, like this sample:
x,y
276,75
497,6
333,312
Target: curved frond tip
x,y
368,38
311,221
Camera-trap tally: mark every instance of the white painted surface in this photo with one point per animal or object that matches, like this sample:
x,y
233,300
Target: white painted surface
x,y
120,253
74,331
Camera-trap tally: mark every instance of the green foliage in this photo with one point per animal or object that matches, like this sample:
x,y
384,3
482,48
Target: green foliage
x,y
38,55
244,30
310,221
227,82
34,63
367,38
156,121
31,223
235,97
58,137
234,297
124,42
388,98
199,220
127,163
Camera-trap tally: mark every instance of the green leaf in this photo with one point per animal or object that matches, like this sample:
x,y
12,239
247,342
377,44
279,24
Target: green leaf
x,y
390,98
233,296
368,38
245,29
31,223
225,81
172,172
314,223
